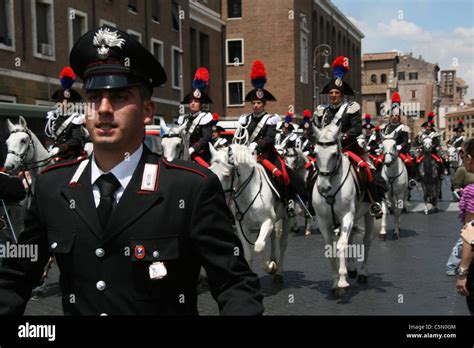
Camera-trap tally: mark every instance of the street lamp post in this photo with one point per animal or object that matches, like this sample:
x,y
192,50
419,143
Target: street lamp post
x,y
325,50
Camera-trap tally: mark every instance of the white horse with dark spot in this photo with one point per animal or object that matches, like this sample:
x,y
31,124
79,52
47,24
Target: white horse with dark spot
x,y
339,205
396,175
174,142
254,205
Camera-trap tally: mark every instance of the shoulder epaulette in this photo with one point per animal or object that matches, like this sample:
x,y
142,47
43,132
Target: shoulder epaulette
x,y
63,164
183,166
353,107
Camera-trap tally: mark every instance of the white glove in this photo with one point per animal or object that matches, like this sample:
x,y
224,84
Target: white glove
x,y
253,147
54,151
399,147
368,148
191,151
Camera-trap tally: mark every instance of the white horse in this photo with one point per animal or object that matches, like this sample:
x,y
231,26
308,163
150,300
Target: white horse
x,y
254,204
174,142
338,205
455,160
25,154
396,175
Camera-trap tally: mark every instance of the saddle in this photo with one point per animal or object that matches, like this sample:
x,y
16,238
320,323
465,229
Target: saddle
x,y
436,158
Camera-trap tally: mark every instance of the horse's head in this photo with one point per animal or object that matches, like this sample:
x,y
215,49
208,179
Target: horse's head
x,y
390,150
172,141
20,146
328,154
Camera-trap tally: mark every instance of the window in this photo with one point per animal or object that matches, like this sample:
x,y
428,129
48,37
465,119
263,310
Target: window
x,y
132,6
401,76
155,10
235,52
176,59
304,72
136,35
383,78
413,94
373,78
7,34
413,76
7,99
104,22
234,8
43,29
77,23
204,50
235,93
157,50
175,14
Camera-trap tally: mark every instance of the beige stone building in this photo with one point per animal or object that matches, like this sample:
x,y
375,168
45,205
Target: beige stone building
x,y
36,37
379,80
286,35
467,115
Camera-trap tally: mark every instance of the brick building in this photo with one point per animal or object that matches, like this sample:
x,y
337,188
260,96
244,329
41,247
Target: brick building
x,y
379,80
285,35
36,37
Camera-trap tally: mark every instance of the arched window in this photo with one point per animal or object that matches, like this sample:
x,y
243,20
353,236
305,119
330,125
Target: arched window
x,y
383,78
373,78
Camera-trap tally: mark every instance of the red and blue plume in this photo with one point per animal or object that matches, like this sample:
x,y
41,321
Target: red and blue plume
x,y
367,118
215,118
461,122
67,78
377,129
201,79
396,98
306,113
258,76
289,117
340,67
431,116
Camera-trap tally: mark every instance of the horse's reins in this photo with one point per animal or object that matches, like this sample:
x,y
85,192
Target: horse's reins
x,y
26,166
331,199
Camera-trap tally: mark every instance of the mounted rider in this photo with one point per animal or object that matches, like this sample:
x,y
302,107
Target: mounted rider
x,y
430,132
401,133
199,122
285,129
457,140
216,140
306,140
372,138
258,131
64,125
347,116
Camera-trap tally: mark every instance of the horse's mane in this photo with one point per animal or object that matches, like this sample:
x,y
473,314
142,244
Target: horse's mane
x,y
329,133
242,155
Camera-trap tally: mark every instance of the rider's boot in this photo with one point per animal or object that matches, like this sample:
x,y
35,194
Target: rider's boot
x,y
411,179
377,189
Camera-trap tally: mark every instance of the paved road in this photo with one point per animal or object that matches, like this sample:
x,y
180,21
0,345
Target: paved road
x,y
406,276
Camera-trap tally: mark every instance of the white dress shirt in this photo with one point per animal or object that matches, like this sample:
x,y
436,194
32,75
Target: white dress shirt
x,y
122,171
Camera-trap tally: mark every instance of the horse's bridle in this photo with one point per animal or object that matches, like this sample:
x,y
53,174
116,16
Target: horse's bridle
x,y
338,158
30,144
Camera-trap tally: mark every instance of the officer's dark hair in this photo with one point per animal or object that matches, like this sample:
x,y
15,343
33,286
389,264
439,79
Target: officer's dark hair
x,y
145,92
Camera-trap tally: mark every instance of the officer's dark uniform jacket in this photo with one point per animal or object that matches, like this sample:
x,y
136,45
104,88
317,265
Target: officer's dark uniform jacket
x,y
11,188
422,135
202,133
350,123
265,138
401,136
71,139
456,141
373,142
183,223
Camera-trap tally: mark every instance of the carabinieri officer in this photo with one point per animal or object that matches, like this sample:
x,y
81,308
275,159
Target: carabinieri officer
x,y
130,231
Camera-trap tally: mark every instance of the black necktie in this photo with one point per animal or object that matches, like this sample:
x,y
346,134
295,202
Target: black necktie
x,y
107,184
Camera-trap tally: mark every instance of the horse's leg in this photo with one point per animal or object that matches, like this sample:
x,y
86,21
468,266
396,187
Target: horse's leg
x,y
355,240
383,228
368,236
346,226
265,229
283,243
327,232
270,266
246,246
307,226
399,202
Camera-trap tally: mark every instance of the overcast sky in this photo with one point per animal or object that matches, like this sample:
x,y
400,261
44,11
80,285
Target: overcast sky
x,y
442,31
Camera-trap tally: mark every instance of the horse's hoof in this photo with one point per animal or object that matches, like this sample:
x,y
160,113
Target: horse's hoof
x,y
396,235
435,210
383,236
271,267
362,279
352,274
307,233
295,229
342,292
278,278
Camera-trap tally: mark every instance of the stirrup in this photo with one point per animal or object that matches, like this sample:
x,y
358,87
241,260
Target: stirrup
x,y
411,183
290,208
375,210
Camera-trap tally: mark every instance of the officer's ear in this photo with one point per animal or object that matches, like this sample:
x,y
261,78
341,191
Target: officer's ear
x,y
148,111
